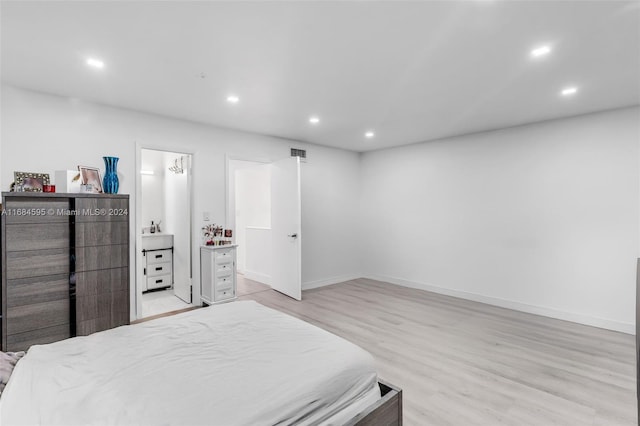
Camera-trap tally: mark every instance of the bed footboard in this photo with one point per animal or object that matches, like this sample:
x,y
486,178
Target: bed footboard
x,y
385,412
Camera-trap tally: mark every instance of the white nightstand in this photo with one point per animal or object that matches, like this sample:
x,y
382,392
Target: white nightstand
x,y
217,273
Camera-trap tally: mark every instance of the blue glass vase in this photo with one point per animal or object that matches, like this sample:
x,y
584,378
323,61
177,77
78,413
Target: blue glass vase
x,y
110,182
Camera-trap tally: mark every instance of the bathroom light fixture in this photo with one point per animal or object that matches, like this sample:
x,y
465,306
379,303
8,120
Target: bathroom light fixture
x,y
369,134
233,99
177,169
569,91
540,51
314,120
95,63
147,172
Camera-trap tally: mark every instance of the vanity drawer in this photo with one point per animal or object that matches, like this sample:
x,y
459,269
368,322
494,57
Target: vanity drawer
x,y
156,269
159,281
158,256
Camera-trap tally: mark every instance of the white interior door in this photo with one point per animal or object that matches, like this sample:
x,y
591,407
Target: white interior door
x,y
180,205
285,227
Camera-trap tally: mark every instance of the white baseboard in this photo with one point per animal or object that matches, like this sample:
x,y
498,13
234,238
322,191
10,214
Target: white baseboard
x,y
329,281
517,306
257,276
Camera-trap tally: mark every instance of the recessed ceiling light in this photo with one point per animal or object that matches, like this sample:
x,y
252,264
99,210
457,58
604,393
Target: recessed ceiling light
x,y
568,91
233,99
314,120
95,63
541,51
369,134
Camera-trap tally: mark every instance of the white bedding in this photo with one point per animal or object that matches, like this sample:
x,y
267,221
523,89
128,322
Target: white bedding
x,y
234,364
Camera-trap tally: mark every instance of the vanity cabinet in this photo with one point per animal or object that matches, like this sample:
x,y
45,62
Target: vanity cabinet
x,y
158,269
65,266
217,273
157,251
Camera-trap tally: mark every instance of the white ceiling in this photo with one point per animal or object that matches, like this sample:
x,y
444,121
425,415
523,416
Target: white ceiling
x,y
411,71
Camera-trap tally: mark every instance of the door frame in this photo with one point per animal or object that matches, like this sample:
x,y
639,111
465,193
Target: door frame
x,y
136,302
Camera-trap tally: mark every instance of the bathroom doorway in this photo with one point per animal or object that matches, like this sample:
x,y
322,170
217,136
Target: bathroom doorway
x,y
164,267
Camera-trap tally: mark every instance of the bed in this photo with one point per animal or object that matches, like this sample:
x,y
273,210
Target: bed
x,y
239,363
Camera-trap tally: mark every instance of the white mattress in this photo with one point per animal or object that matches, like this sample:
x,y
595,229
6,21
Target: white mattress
x,y
234,364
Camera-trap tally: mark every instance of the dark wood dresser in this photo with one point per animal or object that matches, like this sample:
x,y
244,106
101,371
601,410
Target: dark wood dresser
x,y
65,266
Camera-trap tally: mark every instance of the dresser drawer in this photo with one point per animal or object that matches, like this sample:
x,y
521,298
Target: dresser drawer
x,y
40,336
37,263
21,319
224,269
224,282
225,294
37,236
99,209
224,255
102,281
156,269
42,289
101,233
102,257
159,256
158,282
37,210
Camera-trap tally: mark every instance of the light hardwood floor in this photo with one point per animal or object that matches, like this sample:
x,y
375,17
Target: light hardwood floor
x,y
246,286
466,363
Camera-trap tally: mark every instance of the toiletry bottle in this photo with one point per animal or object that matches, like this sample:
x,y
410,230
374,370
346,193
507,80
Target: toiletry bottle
x,y
153,228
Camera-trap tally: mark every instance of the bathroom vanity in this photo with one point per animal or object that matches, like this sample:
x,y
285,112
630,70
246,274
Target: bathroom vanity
x,y
157,251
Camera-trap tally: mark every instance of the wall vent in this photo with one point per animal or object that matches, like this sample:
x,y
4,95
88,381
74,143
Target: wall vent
x,y
302,153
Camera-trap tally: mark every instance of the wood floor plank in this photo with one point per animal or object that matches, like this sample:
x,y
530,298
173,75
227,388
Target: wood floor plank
x,y
463,362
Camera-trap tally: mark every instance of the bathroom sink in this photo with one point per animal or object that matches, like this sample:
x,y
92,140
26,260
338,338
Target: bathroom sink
x,y
157,241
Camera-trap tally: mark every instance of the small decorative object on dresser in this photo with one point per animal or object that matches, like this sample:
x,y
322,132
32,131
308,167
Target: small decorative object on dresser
x,y
111,182
31,182
68,181
91,176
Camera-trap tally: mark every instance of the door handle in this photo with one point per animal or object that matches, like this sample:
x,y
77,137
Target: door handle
x,y
293,235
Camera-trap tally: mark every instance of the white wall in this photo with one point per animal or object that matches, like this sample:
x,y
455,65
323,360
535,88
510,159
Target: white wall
x,y
45,133
153,188
542,218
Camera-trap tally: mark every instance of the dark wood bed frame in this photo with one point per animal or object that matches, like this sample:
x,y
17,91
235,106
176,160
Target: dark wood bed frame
x,y
387,411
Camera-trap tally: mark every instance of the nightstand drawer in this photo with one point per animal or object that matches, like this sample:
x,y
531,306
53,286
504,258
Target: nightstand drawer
x,y
224,282
224,255
225,294
159,256
224,269
156,269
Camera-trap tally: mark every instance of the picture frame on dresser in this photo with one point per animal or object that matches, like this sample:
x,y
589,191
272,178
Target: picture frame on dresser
x,y
30,181
91,176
